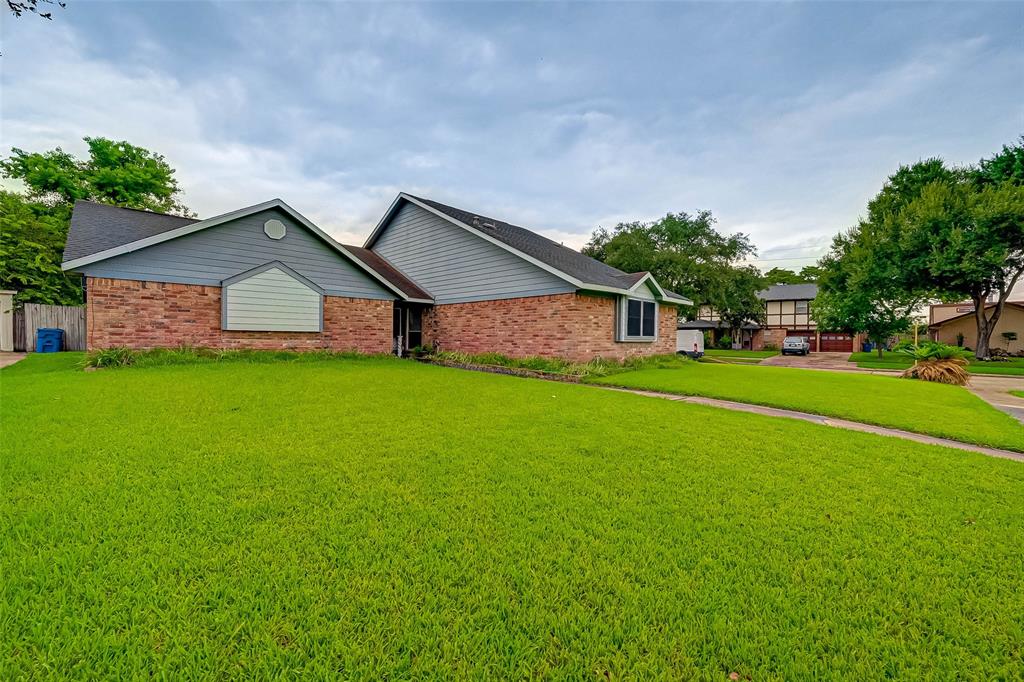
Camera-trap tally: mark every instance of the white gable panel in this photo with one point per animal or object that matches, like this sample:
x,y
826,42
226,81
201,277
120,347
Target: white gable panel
x,y
272,300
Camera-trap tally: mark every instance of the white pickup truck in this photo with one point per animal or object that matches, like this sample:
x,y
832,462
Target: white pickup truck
x,y
797,345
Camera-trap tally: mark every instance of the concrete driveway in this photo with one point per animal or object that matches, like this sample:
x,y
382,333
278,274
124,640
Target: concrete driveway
x,y
832,361
995,390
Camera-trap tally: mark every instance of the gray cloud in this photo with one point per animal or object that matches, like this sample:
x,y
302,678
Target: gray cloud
x,y
781,119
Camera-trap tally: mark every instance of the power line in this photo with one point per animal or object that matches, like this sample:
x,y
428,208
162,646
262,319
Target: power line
x,y
770,260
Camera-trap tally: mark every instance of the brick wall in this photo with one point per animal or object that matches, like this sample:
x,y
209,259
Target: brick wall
x,y
570,326
772,337
160,315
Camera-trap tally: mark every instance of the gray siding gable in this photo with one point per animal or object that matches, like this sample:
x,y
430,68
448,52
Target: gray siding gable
x,y
217,253
456,266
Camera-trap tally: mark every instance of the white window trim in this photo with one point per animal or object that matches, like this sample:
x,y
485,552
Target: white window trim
x,y
623,319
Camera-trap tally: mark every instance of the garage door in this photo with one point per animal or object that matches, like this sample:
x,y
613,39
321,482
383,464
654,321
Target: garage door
x,y
836,342
808,335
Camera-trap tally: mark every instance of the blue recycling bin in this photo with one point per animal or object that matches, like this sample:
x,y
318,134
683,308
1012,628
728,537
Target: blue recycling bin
x,y
867,347
49,340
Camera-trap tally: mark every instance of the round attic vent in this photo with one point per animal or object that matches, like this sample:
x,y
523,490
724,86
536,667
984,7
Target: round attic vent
x,y
274,228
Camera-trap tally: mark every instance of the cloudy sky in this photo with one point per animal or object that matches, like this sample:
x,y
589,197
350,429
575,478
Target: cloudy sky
x,y
782,119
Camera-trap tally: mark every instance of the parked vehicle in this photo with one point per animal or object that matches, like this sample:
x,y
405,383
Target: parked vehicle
x,y
690,342
795,345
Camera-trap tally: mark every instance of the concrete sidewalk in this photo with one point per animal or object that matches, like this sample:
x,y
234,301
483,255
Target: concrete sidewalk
x,y
824,421
7,358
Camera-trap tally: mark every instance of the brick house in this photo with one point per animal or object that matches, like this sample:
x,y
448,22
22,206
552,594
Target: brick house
x,y
430,274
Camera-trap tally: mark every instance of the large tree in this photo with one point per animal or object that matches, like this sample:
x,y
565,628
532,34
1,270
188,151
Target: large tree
x,y
939,232
686,254
34,225
115,173
782,276
859,288
964,242
808,274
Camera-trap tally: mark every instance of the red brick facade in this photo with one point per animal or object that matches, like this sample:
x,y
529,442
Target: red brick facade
x,y
571,326
160,315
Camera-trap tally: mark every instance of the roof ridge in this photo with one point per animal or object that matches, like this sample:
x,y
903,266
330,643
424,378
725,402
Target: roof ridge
x,y
535,233
139,210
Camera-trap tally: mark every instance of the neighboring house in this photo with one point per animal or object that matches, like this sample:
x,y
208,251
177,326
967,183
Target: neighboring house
x,y
954,323
707,321
788,312
430,274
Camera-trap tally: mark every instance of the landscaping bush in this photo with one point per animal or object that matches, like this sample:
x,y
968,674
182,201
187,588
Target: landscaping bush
x,y
595,368
937,362
110,357
192,355
725,343
770,346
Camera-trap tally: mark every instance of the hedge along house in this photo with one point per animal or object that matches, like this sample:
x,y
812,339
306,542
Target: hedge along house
x,y
266,277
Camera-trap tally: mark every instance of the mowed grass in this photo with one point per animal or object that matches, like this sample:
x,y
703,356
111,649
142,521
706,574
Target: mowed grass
x,y
901,361
381,519
928,408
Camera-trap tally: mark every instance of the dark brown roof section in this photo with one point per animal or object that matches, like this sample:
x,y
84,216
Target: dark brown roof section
x,y
374,260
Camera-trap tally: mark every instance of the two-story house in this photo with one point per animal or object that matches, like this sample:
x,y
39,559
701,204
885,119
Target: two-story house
x,y
788,310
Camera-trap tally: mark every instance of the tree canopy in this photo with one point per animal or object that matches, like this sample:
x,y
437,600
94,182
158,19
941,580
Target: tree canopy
x,y
115,173
808,274
34,225
37,7
934,232
686,254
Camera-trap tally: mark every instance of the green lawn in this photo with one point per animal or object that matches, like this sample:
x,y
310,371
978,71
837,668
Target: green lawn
x,y
380,519
761,354
891,360
934,409
1019,394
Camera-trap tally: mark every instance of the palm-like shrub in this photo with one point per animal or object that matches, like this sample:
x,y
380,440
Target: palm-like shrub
x,y
937,362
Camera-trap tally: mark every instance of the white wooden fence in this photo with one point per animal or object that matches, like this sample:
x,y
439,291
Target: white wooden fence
x,y
32,316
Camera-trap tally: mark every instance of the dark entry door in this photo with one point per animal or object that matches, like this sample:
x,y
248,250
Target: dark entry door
x,y
397,331
414,327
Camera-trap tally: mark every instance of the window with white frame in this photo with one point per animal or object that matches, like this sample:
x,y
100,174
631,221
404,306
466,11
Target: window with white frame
x,y
638,320
801,307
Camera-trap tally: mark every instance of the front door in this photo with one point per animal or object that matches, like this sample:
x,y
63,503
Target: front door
x,y
407,327
398,330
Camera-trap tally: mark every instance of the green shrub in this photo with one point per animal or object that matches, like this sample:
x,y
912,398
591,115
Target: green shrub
x,y
594,368
195,355
111,357
933,350
770,346
725,343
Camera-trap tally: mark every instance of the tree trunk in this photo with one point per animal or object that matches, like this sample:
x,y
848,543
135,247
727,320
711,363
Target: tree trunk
x,y
878,347
981,351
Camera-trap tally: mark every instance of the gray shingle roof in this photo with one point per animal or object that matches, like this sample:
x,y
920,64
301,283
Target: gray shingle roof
x,y
789,292
562,258
98,227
